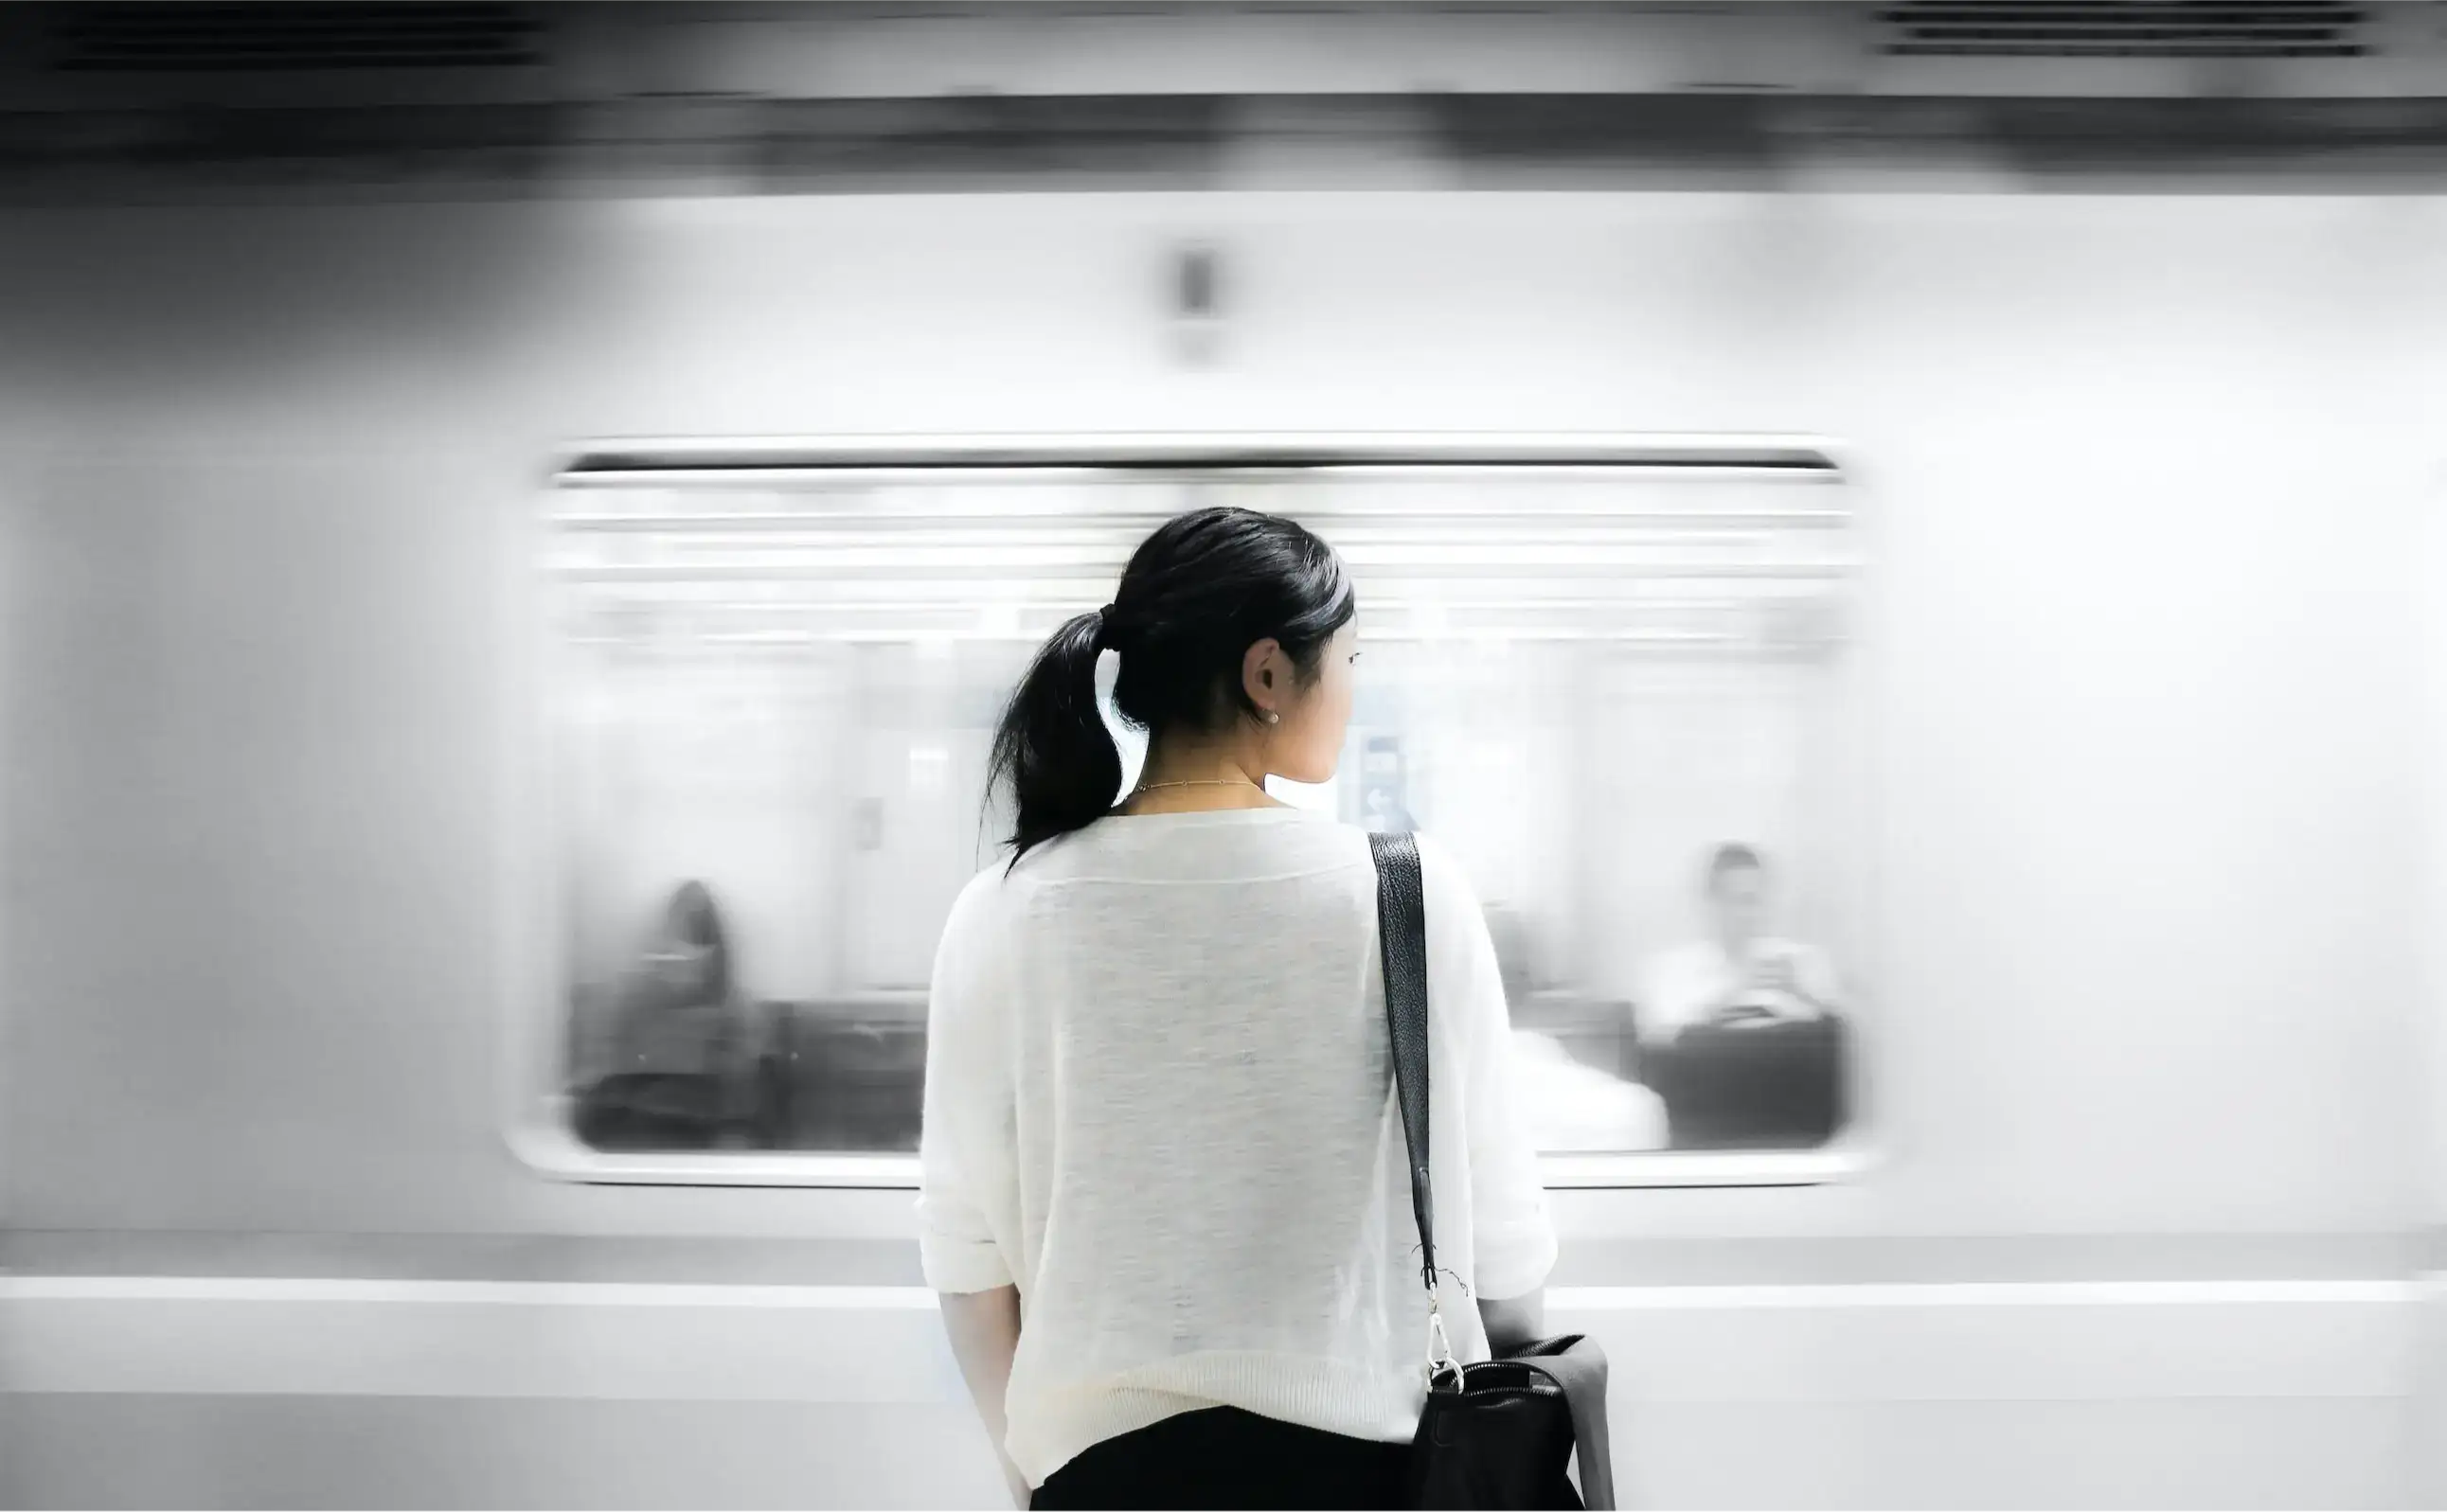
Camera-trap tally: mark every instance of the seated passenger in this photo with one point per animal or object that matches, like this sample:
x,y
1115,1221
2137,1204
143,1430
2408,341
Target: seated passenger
x,y
1739,976
1744,1036
677,1078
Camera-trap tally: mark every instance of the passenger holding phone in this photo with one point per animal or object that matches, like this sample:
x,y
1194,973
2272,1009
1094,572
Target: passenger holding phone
x,y
1739,976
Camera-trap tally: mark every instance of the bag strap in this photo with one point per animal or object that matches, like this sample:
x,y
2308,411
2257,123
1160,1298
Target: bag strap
x,y
1578,1368
1402,935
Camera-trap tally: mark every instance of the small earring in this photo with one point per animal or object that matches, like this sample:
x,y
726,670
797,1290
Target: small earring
x,y
1273,718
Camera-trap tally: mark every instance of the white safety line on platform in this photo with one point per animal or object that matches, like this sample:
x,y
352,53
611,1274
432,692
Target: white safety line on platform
x,y
900,1298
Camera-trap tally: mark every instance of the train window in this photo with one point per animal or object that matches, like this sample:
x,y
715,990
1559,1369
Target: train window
x,y
1618,680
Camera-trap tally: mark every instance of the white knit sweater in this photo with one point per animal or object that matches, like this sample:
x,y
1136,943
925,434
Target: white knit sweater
x,y
1159,1099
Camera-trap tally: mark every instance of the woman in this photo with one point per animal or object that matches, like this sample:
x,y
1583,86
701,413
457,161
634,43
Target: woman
x,y
1159,1092
679,1078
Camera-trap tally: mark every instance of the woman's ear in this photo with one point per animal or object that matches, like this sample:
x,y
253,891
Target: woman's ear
x,y
1258,665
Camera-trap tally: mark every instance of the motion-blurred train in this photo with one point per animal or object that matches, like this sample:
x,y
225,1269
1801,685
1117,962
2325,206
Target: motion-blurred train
x,y
470,887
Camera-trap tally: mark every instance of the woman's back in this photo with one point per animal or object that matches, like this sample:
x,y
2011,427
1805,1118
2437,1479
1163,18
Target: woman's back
x,y
1159,1100
1164,1186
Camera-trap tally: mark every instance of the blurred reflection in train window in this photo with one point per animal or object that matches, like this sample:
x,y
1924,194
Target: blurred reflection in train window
x,y
775,695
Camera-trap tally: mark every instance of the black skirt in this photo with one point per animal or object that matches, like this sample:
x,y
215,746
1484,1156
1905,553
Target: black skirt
x,y
1222,1457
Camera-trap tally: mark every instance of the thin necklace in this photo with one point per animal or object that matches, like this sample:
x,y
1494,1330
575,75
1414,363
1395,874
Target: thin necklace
x,y
1204,781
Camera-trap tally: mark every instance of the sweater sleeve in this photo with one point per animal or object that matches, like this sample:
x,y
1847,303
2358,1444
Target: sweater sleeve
x,y
967,1103
1515,1234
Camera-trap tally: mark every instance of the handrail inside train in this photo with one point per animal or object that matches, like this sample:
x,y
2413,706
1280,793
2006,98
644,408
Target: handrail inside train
x,y
612,461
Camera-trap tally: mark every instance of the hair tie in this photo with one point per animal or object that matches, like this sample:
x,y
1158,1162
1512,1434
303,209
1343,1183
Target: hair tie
x,y
1105,627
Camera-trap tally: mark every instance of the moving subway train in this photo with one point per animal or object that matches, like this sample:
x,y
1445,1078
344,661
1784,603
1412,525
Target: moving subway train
x,y
470,887
1611,668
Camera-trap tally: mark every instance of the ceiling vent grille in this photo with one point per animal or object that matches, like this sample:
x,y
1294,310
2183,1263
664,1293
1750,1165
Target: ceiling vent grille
x,y
2123,28
207,38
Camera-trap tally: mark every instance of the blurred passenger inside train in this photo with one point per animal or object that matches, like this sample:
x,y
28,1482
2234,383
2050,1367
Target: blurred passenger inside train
x,y
680,1076
1743,1031
1739,976
1159,1099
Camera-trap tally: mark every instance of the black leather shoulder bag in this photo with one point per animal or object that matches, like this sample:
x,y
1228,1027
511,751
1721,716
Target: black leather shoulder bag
x,y
1501,1433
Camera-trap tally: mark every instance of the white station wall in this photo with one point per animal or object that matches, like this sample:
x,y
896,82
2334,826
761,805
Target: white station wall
x,y
2147,477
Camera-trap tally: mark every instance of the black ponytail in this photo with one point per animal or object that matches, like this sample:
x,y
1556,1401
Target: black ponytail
x,y
1052,748
1196,596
